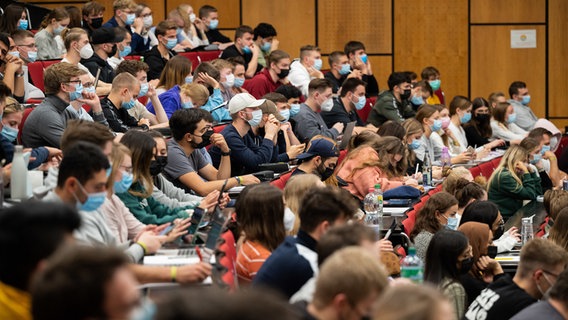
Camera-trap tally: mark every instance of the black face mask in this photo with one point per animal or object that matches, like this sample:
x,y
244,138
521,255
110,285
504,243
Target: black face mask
x,y
96,23
483,118
113,51
324,172
206,140
405,95
499,232
210,89
156,166
466,265
492,252
283,73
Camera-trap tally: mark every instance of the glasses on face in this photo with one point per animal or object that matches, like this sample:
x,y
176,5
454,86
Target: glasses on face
x,y
74,81
31,46
551,273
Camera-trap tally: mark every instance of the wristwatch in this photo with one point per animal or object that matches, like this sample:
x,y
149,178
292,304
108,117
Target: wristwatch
x,y
19,75
224,154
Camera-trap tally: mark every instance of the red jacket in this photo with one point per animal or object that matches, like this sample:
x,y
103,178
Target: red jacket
x,y
261,84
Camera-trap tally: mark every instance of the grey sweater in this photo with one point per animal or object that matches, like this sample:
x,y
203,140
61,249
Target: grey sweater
x,y
310,124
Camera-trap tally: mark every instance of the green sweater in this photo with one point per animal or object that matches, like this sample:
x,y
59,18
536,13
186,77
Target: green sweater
x,y
150,211
388,108
508,194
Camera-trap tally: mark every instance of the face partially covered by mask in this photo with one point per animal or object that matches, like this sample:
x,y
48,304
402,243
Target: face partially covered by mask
x,y
323,171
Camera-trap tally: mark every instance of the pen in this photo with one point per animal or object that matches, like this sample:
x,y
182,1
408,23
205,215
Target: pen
x,y
388,234
198,251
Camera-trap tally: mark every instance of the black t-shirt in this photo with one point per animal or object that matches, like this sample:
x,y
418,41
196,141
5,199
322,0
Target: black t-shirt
x,y
216,36
501,300
334,81
232,51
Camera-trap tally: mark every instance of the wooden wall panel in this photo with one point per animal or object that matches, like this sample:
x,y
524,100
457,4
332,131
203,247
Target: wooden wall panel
x,y
508,11
294,20
367,21
494,65
557,50
433,33
229,10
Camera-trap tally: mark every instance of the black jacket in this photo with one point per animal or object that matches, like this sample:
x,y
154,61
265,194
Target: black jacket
x,y
95,63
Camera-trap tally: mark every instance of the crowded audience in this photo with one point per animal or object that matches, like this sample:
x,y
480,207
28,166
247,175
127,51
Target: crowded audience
x,y
161,152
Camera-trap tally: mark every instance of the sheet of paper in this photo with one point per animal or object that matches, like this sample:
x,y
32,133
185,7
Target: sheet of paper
x,y
522,39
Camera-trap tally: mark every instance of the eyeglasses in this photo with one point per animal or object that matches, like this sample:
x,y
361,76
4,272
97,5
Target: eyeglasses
x,y
74,81
551,273
28,45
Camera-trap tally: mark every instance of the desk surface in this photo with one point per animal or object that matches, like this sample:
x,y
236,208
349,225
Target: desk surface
x,y
532,208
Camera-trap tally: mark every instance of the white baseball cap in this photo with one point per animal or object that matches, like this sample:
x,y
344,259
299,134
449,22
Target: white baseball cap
x,y
243,100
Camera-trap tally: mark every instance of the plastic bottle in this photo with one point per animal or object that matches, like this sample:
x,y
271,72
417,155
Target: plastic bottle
x,y
527,233
379,197
446,159
20,186
412,267
427,171
371,217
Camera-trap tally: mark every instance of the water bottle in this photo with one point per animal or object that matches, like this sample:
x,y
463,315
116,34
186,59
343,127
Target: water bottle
x,y
446,159
379,197
371,217
527,233
412,267
20,186
427,171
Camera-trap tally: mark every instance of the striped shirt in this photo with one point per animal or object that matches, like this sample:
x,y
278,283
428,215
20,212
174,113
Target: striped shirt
x,y
250,258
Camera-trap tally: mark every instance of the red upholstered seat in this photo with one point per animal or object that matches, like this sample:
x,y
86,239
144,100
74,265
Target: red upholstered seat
x,y
486,169
364,113
342,155
192,56
35,70
133,58
475,171
280,183
409,222
25,116
229,260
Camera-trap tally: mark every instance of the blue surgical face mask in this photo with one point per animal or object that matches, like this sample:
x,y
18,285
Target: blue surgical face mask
x,y
286,114
23,24
128,104
364,58
466,117
294,109
512,118
125,51
345,69
239,82
213,24
526,99
437,125
318,63
124,184
360,104
171,43
256,118
143,89
74,95
188,79
130,18
415,144
178,31
32,56
452,223
94,200
544,149
58,29
14,53
247,50
417,100
91,89
536,158
266,47
9,133
187,105
435,84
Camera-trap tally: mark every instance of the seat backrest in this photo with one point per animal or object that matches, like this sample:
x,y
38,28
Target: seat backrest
x,y
229,259
563,143
495,162
280,183
486,169
409,222
364,113
138,58
192,56
203,56
25,116
475,171
35,70
342,155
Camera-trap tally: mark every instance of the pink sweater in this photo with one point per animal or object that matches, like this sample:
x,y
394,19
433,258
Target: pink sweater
x,y
120,220
363,179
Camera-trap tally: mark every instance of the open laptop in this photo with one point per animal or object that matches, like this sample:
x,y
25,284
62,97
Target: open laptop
x,y
179,257
347,133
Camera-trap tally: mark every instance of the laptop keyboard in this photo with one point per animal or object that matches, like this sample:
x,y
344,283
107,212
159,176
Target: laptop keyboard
x,y
186,252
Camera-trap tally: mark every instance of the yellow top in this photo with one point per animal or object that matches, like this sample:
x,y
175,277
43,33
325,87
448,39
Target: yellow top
x,y
15,304
433,99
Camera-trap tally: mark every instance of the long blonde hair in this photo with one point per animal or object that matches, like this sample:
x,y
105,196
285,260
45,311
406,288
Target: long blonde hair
x,y
558,232
295,190
514,154
117,155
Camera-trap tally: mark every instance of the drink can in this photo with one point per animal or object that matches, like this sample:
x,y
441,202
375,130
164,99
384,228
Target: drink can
x,y
565,185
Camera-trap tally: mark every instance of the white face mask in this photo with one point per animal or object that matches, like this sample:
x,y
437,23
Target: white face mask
x,y
327,105
192,17
86,52
230,80
148,21
289,219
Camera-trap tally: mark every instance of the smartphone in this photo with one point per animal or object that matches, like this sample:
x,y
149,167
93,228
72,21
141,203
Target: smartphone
x,y
196,218
167,230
